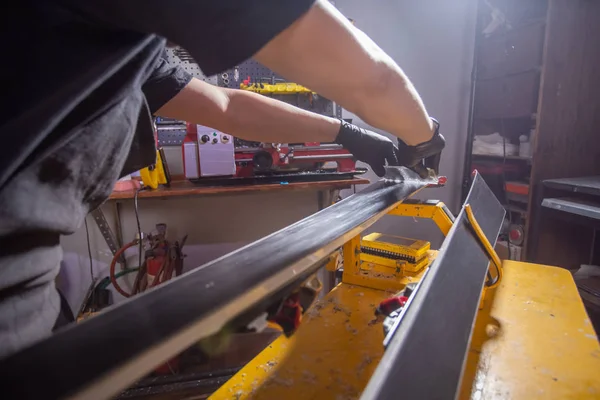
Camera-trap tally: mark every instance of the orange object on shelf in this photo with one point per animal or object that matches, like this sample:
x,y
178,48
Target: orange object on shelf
x,y
126,185
517,187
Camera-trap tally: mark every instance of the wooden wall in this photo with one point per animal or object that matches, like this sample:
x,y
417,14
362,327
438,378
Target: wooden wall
x,y
567,142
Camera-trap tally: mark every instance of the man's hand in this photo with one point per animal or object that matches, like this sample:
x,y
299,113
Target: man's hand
x,y
370,147
423,156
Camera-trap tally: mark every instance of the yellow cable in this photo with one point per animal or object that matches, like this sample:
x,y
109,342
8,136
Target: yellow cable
x,y
486,243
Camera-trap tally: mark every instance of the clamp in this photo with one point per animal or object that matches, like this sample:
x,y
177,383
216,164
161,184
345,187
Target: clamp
x,y
157,174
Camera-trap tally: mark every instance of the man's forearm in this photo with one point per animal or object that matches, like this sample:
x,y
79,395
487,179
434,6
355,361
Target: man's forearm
x,y
261,118
248,116
342,63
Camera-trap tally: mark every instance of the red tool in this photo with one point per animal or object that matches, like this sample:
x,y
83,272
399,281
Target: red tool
x,y
290,314
162,260
280,158
388,306
249,162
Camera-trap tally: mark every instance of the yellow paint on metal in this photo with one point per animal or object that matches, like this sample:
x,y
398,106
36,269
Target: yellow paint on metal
x,y
489,249
371,272
401,265
382,281
155,175
332,263
533,339
434,212
333,354
376,276
278,88
351,253
396,244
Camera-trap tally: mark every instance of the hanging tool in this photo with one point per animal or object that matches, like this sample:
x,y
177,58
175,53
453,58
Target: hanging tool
x,y
288,313
163,259
388,306
274,88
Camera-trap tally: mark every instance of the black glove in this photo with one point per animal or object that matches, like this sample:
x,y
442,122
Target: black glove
x,y
370,147
423,156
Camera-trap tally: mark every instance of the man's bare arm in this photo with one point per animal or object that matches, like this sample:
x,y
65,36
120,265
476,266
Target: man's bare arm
x,y
248,115
323,51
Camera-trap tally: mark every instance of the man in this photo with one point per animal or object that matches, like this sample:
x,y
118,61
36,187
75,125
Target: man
x,y
76,110
172,92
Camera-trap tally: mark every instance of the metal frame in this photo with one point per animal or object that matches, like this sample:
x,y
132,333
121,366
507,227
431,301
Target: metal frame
x,y
431,209
251,68
111,241
255,70
569,206
430,339
584,184
101,356
353,274
189,65
171,135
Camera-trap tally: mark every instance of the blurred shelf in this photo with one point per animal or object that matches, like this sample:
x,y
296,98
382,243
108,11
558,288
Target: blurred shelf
x,y
541,20
501,157
532,116
515,209
580,207
537,69
586,184
517,187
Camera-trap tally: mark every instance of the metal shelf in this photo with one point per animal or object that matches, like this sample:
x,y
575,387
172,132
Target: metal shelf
x,y
574,206
587,184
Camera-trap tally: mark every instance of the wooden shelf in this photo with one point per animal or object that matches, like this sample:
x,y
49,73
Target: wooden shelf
x,y
186,188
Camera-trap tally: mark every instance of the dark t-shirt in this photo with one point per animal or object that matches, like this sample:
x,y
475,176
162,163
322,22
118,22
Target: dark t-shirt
x,y
164,83
73,105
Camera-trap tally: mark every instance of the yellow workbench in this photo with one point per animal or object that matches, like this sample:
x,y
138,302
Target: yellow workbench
x,y
532,339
